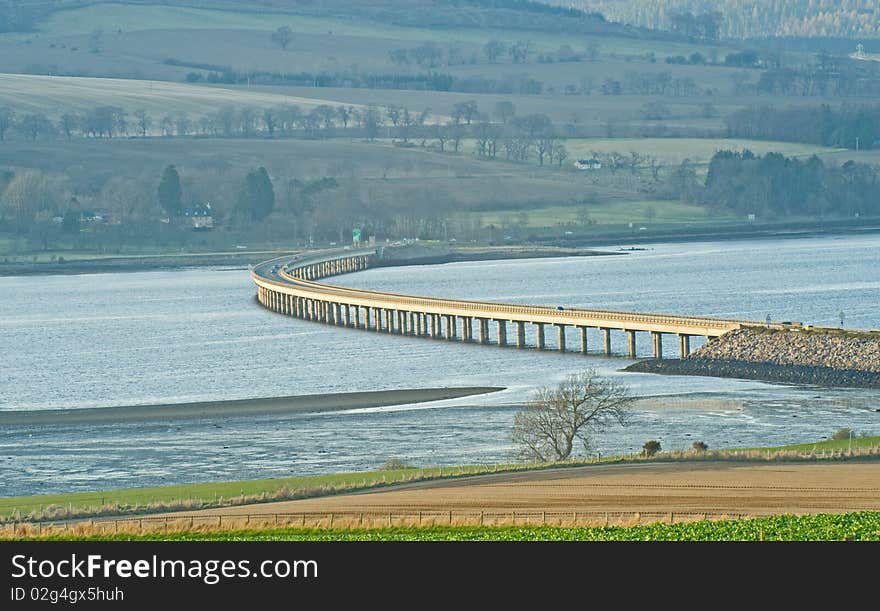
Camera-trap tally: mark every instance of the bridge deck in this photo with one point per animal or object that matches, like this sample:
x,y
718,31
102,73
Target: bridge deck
x,y
288,280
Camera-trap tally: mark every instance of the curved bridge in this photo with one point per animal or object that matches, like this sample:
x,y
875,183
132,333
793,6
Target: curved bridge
x,y
289,285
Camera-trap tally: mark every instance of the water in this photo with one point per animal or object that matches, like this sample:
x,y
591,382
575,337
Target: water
x,y
195,335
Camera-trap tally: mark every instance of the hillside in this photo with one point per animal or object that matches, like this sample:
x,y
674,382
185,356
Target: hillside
x,y
749,18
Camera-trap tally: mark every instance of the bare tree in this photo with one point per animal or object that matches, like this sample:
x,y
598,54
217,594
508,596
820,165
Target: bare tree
x,y
561,153
550,425
634,160
371,118
504,111
282,36
270,121
68,124
142,121
35,125
493,50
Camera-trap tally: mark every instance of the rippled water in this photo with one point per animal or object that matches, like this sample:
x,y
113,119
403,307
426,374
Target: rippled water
x,y
192,335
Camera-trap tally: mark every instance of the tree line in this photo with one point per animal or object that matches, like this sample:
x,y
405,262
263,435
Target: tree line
x,y
853,127
777,186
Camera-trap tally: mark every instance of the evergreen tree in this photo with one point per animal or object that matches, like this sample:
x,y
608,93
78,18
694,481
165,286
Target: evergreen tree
x,y
169,192
257,196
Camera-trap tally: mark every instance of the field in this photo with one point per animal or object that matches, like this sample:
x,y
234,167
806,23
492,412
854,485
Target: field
x,y
127,17
607,213
55,95
227,494
860,526
671,151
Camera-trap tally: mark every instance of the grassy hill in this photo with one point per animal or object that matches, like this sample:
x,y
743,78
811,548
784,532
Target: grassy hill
x,y
55,95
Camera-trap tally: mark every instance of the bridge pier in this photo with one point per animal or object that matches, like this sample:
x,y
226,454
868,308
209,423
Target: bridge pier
x,y
357,317
433,327
484,330
377,320
684,345
583,339
539,335
389,321
520,334
658,344
502,332
631,344
606,340
451,327
560,334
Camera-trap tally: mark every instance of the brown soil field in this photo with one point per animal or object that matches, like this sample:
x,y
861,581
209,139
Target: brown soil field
x,y
712,487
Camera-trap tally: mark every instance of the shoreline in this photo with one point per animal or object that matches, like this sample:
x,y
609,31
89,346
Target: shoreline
x,y
297,404
765,372
578,245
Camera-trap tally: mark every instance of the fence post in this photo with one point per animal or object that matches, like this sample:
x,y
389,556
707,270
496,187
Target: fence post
x,y
450,517
481,517
543,518
331,519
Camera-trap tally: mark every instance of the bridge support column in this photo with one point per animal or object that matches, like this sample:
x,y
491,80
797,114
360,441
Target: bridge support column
x,y
606,337
560,334
658,344
583,339
377,320
631,344
539,335
502,332
357,316
432,329
484,330
289,304
347,310
451,327
520,334
404,322
684,345
467,330
389,321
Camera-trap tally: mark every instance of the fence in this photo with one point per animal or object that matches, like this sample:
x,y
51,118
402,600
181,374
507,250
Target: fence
x,y
357,519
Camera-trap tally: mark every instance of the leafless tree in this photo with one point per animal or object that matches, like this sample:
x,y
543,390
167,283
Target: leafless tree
x,y
282,36
493,50
68,124
142,121
556,419
35,125
561,153
270,121
504,111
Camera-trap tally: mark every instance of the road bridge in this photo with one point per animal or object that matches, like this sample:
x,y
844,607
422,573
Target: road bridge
x,y
290,285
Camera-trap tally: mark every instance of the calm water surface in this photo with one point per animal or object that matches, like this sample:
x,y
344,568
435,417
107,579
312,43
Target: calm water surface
x,y
194,335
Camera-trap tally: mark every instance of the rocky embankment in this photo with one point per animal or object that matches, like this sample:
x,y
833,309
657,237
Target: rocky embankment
x,y
822,357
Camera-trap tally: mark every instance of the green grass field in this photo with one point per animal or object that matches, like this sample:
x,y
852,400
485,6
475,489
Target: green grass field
x,y
861,526
213,494
55,95
698,150
603,213
112,17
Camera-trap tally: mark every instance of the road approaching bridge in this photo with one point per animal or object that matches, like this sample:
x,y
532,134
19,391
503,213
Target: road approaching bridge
x,y
289,285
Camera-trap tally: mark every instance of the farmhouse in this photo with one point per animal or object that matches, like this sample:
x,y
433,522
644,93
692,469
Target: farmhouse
x,y
588,164
197,218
